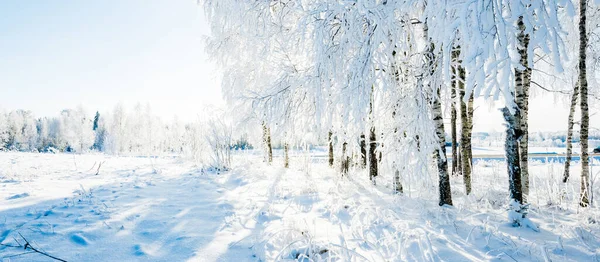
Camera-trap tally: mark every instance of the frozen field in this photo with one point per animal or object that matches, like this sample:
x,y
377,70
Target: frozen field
x,y
167,209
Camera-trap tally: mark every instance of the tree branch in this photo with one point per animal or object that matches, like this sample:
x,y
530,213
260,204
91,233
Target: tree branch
x,y
28,246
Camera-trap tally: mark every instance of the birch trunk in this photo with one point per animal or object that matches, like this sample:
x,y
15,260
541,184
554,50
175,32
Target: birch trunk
x,y
523,104
585,114
397,183
570,125
465,139
513,129
372,155
267,143
470,132
511,147
345,161
372,141
453,118
330,139
459,160
363,151
398,189
264,140
438,119
269,147
286,156
442,162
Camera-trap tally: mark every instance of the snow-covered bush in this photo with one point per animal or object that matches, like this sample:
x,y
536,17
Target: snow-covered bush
x,y
209,140
517,215
218,136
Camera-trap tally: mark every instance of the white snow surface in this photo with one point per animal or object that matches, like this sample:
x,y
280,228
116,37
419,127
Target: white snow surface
x,y
168,209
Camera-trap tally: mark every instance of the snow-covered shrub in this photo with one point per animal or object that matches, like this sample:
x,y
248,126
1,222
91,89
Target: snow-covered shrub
x,y
209,140
517,215
293,245
218,136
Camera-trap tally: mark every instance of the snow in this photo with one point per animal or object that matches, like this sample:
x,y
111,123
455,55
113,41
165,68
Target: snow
x,y
169,209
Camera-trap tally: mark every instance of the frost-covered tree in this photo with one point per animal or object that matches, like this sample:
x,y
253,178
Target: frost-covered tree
x,y
22,131
345,69
327,66
490,34
99,128
3,129
116,141
587,51
583,100
77,130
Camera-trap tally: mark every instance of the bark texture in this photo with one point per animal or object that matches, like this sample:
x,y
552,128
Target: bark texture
x,y
465,137
455,170
511,148
440,155
330,139
286,156
398,189
469,129
438,120
269,146
585,114
345,161
267,143
397,183
372,155
523,104
363,151
372,141
570,125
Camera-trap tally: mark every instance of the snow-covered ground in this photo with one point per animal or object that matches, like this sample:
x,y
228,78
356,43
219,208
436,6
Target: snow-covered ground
x,y
168,209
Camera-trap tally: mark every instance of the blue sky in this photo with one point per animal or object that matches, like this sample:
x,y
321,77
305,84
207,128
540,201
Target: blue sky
x,y
64,53
59,54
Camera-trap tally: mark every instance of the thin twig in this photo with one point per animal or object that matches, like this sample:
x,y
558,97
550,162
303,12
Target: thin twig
x,y
16,255
99,166
28,246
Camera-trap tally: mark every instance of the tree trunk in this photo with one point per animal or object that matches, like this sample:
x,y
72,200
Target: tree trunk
x,y
570,125
330,139
345,162
267,140
465,140
372,140
511,147
585,114
363,151
440,154
286,156
523,104
380,151
459,160
397,184
442,162
267,143
513,127
398,189
470,131
455,170
372,155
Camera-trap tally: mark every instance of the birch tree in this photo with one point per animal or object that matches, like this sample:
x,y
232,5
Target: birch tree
x,y
585,115
570,124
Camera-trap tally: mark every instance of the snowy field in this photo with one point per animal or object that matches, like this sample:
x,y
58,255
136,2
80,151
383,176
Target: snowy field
x,y
168,209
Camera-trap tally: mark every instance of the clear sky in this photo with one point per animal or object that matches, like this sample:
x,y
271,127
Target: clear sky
x,y
60,54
